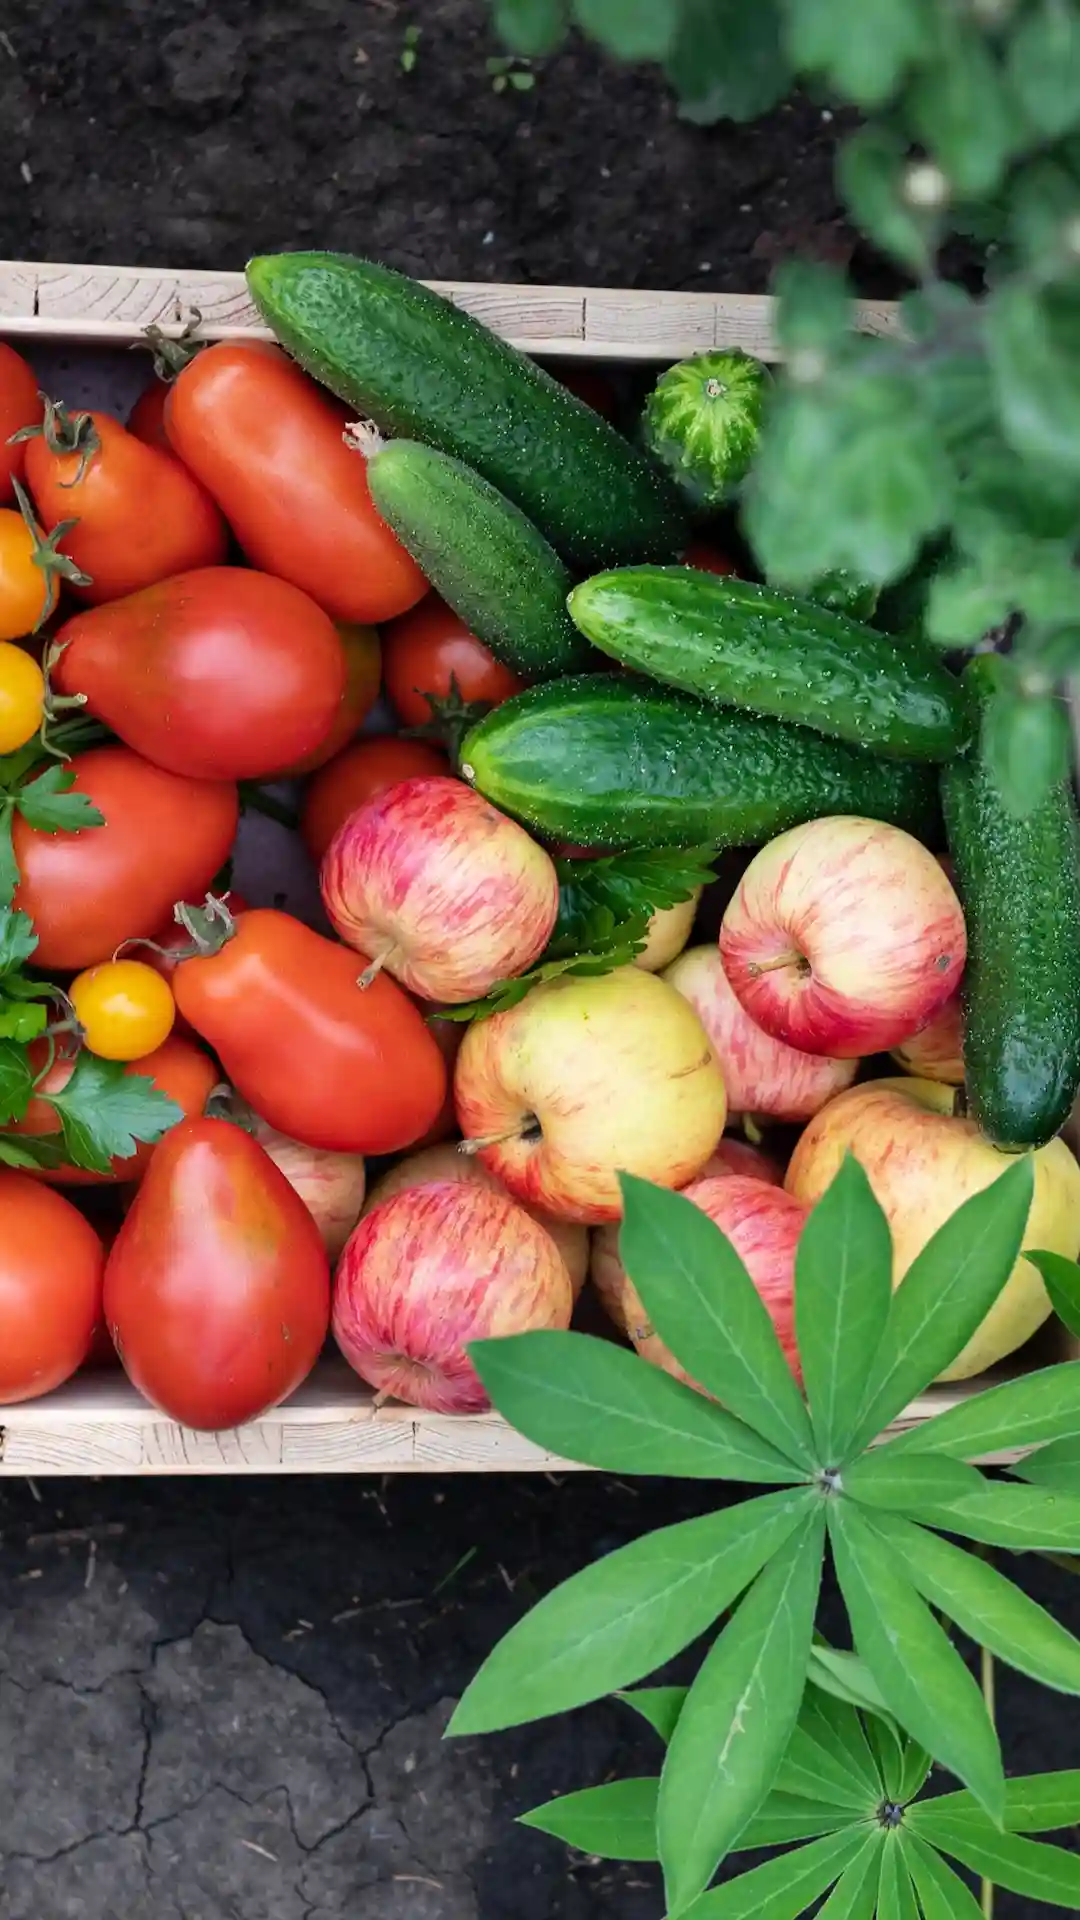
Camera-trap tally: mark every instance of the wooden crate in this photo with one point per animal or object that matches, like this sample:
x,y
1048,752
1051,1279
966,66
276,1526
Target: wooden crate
x,y
75,315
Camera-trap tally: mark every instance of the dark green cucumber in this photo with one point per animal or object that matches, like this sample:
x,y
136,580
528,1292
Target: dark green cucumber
x,y
1019,882
747,646
482,555
424,370
605,760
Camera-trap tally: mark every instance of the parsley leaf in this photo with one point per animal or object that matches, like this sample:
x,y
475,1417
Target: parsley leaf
x,y
49,804
9,872
21,1018
625,887
627,941
25,1153
16,1080
105,1112
18,941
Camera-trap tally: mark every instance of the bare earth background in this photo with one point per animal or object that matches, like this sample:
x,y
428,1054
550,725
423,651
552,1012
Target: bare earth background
x,y
224,1701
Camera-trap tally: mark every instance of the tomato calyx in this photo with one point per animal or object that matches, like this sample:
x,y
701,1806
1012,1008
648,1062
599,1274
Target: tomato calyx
x,y
45,554
209,928
451,719
64,432
172,353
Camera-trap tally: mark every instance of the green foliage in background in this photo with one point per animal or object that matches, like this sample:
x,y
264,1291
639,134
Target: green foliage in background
x,y
950,453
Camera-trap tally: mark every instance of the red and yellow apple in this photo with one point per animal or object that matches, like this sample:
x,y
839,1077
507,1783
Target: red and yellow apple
x,y
433,1269
843,937
669,930
431,882
763,1076
587,1077
738,1156
331,1185
763,1224
936,1052
445,1162
922,1162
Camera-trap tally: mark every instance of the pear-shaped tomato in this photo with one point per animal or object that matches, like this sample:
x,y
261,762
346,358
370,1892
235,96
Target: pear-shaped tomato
x,y
217,1288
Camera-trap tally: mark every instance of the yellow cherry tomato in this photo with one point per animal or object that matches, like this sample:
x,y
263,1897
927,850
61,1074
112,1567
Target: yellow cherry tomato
x,y
24,589
124,1008
22,697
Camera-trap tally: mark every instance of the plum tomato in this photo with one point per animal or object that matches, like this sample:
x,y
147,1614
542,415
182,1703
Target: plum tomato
x,y
359,774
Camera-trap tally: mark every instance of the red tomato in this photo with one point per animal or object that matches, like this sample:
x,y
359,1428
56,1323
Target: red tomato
x,y
706,559
140,515
267,443
170,941
328,1062
20,406
164,839
589,384
179,1068
221,674
147,417
363,675
427,648
362,773
448,1035
51,1264
217,1289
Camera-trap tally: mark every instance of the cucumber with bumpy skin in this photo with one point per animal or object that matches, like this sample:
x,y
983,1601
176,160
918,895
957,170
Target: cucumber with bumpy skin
x,y
482,555
742,645
424,370
702,422
604,760
1019,883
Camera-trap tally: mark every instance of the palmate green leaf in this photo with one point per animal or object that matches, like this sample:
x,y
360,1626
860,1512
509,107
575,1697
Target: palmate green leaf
x,y
616,1821
623,1616
960,109
660,1706
727,61
843,1288
705,1307
917,1768
845,1677
863,51
1025,1412
1054,1466
986,1605
942,1893
630,29
828,1755
889,1748
1062,1281
783,1888
531,27
732,1733
1028,1867
896,1895
871,170
1034,1803
854,1896
1042,62
785,1818
910,1482
1025,1519
919,1671
599,1404
946,1293
1030,341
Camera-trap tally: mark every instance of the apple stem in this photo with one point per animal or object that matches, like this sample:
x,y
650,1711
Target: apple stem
x,y
375,967
753,1132
756,967
381,1399
489,1140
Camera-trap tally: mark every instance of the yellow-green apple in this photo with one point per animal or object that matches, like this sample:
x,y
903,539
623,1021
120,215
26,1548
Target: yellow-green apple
x,y
587,1077
331,1185
843,937
936,1052
763,1224
763,1076
923,1161
668,932
445,1162
433,1269
431,882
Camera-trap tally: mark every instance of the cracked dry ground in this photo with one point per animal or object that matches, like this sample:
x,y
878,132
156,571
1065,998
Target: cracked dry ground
x,y
225,1701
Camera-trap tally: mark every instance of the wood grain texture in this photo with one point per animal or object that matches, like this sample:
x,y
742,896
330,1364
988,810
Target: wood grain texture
x,y
116,303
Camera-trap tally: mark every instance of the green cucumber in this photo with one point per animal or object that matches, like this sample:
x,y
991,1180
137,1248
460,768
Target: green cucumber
x,y
742,645
1019,883
424,370
482,555
605,760
702,422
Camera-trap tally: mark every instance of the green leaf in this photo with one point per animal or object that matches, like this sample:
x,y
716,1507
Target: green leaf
x,y
1019,1413
845,1677
813,306
1034,1803
1027,743
9,872
732,1733
19,1153
828,1754
942,1893
16,1081
1042,62
784,1887
1062,1280
1054,1466
613,1822
622,1617
784,1818
946,1293
1030,342
617,949
599,1404
18,941
630,29
872,168
1024,1519
21,1020
531,27
921,1675
908,1482
917,1766
854,1896
705,1307
727,62
660,1706
1028,1867
986,1605
49,804
889,1748
863,51
105,1112
896,1895
624,886
959,107
843,1289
